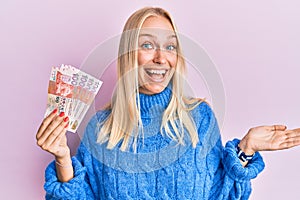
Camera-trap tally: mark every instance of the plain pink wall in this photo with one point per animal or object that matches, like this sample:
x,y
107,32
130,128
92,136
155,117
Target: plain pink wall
x,y
254,44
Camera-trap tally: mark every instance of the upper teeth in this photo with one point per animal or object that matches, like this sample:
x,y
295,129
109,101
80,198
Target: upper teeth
x,y
153,71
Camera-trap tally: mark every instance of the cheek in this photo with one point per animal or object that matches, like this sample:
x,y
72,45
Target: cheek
x,y
173,60
144,58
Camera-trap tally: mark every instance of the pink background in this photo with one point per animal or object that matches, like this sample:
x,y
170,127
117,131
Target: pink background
x,y
254,44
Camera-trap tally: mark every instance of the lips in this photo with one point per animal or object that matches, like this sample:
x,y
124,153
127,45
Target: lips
x,y
156,75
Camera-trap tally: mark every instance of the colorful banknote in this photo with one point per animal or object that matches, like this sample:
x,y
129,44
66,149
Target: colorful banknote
x,y
71,91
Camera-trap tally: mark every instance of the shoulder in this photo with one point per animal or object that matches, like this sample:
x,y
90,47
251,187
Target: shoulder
x,y
95,122
205,121
202,111
98,117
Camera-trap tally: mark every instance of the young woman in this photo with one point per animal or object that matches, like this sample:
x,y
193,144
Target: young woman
x,y
152,142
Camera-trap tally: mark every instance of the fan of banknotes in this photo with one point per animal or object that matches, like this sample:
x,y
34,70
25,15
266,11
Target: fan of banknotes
x,y
71,91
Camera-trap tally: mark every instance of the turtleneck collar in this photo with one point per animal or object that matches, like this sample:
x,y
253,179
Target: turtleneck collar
x,y
154,105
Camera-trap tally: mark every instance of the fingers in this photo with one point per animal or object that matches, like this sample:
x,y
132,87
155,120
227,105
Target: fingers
x,y
45,123
297,130
53,145
292,133
289,138
291,142
56,134
50,129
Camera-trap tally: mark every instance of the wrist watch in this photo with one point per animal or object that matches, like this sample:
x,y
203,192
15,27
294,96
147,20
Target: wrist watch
x,y
242,156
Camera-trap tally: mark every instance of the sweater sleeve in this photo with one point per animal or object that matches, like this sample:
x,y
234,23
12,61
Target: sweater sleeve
x,y
229,179
81,186
76,188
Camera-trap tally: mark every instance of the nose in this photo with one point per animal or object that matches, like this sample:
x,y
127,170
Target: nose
x,y
159,57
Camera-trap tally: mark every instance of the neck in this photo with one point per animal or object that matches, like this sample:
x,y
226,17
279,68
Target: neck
x,y
153,105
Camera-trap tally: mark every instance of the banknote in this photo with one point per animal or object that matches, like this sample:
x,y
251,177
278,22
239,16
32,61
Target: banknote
x,y
60,92
85,89
71,91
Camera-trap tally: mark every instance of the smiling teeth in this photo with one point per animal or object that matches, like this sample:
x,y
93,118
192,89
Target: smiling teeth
x,y
152,71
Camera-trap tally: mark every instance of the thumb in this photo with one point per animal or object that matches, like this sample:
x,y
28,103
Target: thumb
x,y
279,127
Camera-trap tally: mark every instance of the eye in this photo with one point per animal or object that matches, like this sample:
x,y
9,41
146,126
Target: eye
x,y
171,47
147,46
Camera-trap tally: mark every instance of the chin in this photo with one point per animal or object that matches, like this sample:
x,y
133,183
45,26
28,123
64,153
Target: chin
x,y
152,89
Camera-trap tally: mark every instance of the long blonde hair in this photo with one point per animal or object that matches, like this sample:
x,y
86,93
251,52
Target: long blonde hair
x,y
124,121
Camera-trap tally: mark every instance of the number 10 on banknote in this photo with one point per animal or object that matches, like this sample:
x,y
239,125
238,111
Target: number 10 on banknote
x,y
71,91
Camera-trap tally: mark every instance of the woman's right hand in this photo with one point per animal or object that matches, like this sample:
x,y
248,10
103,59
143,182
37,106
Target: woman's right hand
x,y
51,135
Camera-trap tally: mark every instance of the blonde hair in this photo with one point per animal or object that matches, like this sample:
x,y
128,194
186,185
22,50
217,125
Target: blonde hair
x,y
124,121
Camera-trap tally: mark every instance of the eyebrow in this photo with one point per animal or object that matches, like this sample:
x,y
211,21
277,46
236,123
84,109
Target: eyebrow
x,y
153,36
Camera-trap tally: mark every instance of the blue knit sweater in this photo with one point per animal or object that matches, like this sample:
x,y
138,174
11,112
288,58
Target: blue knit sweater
x,y
160,168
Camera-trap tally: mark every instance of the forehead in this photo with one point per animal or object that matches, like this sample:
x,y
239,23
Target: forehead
x,y
157,26
157,22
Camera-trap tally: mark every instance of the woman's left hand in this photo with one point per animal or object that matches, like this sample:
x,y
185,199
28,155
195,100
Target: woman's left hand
x,y
269,138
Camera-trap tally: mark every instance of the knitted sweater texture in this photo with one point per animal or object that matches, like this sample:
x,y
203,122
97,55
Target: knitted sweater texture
x,y
160,168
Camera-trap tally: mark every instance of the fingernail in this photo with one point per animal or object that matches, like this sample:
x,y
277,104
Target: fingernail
x,y
66,119
66,125
54,111
61,114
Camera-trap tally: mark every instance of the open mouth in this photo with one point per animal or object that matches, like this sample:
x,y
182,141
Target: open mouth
x,y
156,75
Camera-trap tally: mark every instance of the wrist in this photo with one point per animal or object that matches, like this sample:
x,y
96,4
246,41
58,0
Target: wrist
x,y
246,147
64,160
64,163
